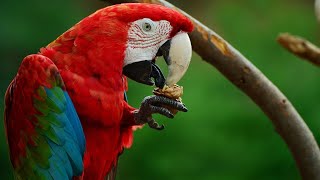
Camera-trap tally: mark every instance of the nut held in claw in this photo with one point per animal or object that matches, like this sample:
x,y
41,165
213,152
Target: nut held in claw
x,y
173,92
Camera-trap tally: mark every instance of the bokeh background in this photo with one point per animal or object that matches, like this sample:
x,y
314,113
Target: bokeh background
x,y
224,135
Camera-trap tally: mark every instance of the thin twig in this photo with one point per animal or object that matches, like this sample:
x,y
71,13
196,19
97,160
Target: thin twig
x,y
242,73
300,47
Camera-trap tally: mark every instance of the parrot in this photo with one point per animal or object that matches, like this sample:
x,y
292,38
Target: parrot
x,y
66,113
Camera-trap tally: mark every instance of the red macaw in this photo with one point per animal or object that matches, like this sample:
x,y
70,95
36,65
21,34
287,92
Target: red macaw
x,y
90,63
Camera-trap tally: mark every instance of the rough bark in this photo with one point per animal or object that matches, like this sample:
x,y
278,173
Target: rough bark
x,y
300,47
249,79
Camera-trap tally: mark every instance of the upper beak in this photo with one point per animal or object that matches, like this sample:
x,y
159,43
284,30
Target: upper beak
x,y
177,54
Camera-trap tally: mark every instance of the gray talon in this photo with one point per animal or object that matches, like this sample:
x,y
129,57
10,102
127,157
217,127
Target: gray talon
x,y
154,125
153,104
162,110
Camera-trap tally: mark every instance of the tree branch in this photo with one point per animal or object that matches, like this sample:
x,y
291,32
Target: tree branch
x,y
243,74
300,47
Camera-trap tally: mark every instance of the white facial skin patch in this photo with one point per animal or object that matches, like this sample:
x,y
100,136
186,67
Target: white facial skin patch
x,y
145,37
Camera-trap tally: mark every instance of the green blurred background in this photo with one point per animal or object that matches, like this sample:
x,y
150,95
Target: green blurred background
x,y
224,135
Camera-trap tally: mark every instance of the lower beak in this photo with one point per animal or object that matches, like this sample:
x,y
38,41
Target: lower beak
x,y
143,71
177,54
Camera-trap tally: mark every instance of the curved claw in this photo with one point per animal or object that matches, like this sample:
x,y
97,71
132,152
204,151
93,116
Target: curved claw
x,y
156,100
154,125
162,110
151,105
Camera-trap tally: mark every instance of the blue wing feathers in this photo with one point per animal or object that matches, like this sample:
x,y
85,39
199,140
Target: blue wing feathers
x,y
57,169
60,158
75,157
75,121
67,142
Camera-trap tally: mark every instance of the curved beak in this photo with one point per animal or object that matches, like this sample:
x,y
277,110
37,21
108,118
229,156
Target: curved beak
x,y
177,54
143,71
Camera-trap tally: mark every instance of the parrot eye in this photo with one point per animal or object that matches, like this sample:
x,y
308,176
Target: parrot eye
x,y
147,27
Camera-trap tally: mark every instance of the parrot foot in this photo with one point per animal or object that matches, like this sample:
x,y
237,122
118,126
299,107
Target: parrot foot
x,y
152,105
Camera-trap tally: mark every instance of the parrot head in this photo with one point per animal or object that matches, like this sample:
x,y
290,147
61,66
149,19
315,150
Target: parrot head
x,y
130,37
152,31
155,31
